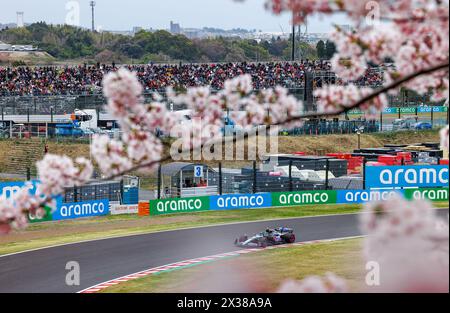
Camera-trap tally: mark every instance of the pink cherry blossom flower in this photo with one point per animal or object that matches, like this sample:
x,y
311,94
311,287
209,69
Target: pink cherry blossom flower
x,y
444,137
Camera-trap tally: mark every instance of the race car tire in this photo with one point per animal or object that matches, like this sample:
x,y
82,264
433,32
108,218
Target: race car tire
x,y
262,244
243,239
290,238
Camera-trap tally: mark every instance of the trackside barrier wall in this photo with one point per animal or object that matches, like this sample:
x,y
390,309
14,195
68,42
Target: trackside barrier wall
x,y
406,110
65,211
289,199
70,211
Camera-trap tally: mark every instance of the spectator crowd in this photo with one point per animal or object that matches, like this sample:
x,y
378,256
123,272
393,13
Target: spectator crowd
x,y
87,79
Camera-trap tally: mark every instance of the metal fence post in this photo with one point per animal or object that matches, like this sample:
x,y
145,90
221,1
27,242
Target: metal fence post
x,y
220,179
159,182
254,177
448,114
381,120
121,191
290,176
432,117
364,173
327,179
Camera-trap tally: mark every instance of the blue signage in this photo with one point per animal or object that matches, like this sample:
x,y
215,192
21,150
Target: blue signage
x,y
429,109
406,176
198,171
364,196
10,188
68,211
246,201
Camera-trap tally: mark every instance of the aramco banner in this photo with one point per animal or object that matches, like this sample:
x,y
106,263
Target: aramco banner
x,y
183,205
63,211
285,199
68,211
9,188
414,176
432,194
241,201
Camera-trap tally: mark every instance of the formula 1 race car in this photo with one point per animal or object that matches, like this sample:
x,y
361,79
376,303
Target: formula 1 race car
x,y
270,237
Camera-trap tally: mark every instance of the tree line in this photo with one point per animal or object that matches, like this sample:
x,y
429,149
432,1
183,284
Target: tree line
x,y
65,42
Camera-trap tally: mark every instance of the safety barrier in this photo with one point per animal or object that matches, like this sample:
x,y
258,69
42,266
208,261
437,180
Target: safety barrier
x,y
288,199
65,211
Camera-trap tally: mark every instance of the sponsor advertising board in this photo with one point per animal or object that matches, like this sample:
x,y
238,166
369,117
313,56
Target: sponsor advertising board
x,y
435,109
406,176
432,194
363,196
244,201
64,211
288,199
184,205
406,110
38,219
285,199
120,209
67,211
8,189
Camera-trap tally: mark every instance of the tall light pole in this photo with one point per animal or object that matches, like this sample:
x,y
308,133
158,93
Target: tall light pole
x,y
92,4
293,41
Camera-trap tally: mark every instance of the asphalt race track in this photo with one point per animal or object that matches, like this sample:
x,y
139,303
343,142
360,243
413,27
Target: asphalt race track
x,y
103,260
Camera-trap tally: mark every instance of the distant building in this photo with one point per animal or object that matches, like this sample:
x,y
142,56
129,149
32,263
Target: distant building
x,y
8,47
4,46
346,28
175,28
20,22
136,29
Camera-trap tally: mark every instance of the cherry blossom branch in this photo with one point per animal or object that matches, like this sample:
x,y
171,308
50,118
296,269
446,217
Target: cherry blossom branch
x,y
356,105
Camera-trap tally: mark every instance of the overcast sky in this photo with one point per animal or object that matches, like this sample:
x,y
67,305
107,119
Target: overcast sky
x,y
157,14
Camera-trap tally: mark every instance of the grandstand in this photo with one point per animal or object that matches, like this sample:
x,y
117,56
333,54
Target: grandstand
x,y
86,80
44,96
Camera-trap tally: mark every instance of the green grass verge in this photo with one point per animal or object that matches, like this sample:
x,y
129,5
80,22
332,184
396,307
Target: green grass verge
x,y
69,231
344,258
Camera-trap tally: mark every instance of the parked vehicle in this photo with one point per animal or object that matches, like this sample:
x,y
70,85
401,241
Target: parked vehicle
x,y
404,123
68,130
423,126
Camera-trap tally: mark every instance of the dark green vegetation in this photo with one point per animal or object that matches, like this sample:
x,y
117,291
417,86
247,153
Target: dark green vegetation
x,y
325,50
70,43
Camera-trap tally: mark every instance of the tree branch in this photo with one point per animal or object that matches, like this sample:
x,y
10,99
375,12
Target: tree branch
x,y
359,103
